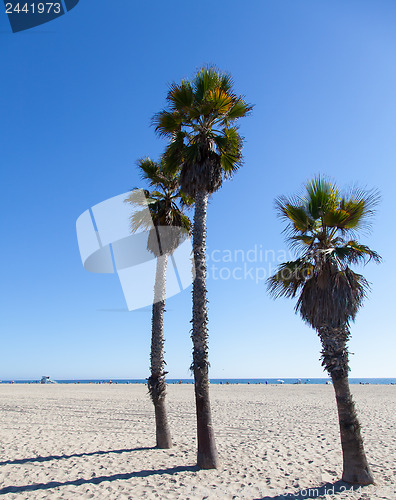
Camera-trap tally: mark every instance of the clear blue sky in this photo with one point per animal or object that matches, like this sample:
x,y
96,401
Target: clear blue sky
x,y
77,95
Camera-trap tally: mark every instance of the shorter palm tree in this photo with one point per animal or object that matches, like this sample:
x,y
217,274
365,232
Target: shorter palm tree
x,y
168,225
322,226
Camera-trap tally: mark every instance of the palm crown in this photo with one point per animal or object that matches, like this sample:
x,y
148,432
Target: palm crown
x,y
200,123
322,227
170,223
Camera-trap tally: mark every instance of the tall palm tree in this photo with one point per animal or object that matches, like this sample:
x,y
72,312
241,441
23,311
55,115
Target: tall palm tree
x,y
322,226
205,145
168,226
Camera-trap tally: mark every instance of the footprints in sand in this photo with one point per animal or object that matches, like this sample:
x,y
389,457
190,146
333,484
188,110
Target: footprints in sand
x,y
97,442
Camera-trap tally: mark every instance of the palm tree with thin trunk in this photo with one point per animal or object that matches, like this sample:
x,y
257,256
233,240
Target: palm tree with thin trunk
x,y
322,226
168,225
205,146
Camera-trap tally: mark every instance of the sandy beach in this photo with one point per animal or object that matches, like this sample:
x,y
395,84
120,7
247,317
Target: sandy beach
x,y
275,442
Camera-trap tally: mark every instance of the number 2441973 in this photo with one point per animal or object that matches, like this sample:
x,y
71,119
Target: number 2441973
x,y
39,8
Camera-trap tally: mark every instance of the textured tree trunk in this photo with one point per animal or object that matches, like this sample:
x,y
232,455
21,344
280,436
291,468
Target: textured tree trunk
x,y
356,469
156,382
207,457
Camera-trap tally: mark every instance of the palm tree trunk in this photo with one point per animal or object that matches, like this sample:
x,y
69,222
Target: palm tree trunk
x,y
156,382
207,457
356,469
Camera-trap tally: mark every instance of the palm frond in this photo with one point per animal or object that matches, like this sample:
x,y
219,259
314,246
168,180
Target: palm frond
x,y
185,200
300,218
205,80
181,96
167,123
226,82
174,153
229,145
239,109
141,219
360,206
307,240
303,242
335,217
353,253
138,198
321,196
220,101
289,278
149,170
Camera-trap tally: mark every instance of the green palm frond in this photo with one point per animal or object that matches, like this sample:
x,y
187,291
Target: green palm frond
x,y
300,218
158,196
238,110
230,163
150,171
360,206
180,97
321,196
207,79
185,200
353,253
229,149
148,168
185,223
220,101
226,82
301,242
158,175
335,218
174,153
307,240
289,278
354,210
167,123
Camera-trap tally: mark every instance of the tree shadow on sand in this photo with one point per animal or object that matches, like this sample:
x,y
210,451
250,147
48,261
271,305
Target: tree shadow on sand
x,y
19,461
315,492
95,480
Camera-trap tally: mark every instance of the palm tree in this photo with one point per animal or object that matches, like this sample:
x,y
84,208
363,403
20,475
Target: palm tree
x,y
167,226
322,226
206,147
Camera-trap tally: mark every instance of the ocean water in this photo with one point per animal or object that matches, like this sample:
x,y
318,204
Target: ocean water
x,y
379,381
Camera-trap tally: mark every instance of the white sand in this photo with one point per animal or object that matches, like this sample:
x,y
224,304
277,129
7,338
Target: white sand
x,y
95,441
